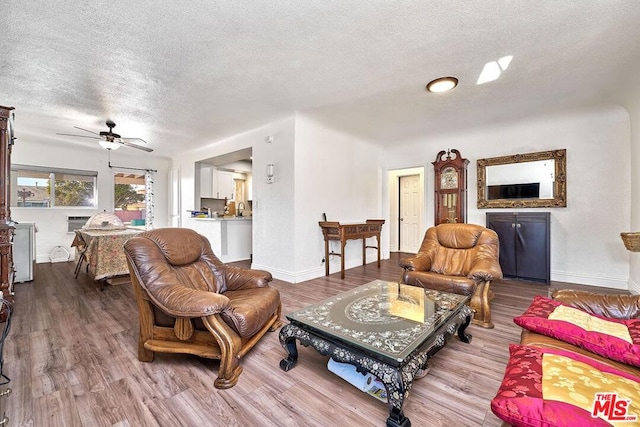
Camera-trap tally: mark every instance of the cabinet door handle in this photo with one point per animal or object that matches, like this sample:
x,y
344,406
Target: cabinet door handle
x,y
518,225
7,392
513,225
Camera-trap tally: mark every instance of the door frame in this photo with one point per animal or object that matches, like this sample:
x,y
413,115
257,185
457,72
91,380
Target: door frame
x,y
394,202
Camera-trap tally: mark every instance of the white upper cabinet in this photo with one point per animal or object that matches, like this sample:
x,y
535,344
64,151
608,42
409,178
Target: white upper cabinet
x,y
206,181
225,185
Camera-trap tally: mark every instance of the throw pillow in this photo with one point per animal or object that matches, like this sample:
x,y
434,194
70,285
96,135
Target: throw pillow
x,y
553,387
616,339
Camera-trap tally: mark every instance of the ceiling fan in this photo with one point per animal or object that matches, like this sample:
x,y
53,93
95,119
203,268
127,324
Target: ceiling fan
x,y
109,139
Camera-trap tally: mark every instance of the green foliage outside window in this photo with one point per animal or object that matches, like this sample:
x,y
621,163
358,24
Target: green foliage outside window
x,y
125,195
74,193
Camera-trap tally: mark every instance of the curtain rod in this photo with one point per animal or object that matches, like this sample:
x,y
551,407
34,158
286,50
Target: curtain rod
x,y
135,169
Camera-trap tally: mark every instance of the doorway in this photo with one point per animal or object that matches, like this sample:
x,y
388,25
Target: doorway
x,y
406,209
409,221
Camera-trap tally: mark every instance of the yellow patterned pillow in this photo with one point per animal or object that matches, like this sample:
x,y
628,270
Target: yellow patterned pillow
x,y
616,339
590,323
553,387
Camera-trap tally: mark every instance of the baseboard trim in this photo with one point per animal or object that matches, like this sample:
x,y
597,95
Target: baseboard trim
x,y
303,276
588,280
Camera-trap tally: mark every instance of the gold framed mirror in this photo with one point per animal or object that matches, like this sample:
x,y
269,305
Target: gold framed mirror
x,y
531,180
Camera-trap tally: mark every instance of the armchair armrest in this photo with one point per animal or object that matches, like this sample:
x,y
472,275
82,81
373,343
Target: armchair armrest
x,y
180,301
485,270
609,305
419,262
237,278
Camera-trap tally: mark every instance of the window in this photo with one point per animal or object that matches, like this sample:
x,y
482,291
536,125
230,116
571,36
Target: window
x,y
129,197
133,197
31,187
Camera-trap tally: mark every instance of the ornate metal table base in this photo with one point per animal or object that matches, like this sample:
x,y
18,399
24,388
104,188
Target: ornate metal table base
x,y
397,379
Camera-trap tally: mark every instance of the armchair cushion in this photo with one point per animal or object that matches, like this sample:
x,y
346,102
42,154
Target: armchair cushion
x,y
617,339
250,309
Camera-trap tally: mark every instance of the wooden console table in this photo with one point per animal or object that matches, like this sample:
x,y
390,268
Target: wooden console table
x,y
343,232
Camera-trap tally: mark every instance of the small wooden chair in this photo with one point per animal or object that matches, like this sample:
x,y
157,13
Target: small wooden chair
x,y
81,246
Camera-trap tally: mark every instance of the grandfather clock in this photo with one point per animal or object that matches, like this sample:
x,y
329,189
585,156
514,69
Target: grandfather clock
x,y
450,187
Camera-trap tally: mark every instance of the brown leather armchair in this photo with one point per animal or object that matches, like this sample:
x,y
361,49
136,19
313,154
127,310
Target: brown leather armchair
x,y
190,302
460,259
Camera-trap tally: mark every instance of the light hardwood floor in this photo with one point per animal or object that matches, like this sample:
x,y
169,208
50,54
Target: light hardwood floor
x,y
72,358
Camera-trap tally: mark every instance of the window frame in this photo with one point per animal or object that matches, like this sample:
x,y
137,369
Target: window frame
x,y
52,172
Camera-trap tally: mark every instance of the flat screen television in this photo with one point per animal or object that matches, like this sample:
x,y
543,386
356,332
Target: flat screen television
x,y
514,191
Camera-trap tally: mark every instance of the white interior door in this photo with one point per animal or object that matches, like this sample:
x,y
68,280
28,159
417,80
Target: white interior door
x,y
409,213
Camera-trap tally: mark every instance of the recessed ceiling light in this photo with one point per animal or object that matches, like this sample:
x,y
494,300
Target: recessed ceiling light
x,y
442,84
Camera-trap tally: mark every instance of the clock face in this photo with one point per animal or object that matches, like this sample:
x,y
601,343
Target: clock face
x,y
449,178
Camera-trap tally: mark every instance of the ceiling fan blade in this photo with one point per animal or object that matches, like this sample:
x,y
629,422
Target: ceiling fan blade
x,y
139,147
86,130
79,136
133,139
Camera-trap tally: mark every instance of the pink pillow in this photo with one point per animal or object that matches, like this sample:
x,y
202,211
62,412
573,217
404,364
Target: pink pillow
x,y
616,339
554,387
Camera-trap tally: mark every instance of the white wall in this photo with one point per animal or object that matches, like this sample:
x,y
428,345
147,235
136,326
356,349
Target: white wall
x,y
316,170
585,236
633,106
52,222
273,204
273,247
336,174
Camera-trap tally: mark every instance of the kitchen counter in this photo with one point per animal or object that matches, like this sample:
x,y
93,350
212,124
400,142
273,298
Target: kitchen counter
x,y
230,237
229,218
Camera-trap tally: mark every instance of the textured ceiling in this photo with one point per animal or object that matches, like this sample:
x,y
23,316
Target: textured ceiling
x,y
185,74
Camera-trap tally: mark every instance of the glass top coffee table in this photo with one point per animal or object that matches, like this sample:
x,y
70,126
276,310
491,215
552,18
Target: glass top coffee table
x,y
384,328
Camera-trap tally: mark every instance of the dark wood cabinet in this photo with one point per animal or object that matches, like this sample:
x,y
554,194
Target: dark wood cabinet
x,y
6,253
525,241
6,224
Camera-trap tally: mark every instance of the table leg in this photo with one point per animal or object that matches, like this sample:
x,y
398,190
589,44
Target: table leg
x,y
397,389
342,257
396,383
288,341
378,239
397,419
464,337
326,257
364,250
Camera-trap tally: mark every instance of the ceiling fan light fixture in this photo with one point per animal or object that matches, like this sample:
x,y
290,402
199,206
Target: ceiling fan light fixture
x,y
442,84
109,145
